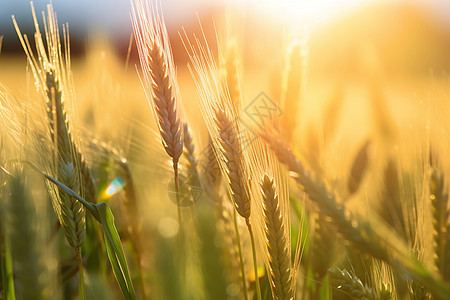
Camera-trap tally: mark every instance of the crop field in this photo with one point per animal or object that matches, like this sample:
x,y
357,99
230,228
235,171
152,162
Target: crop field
x,y
254,152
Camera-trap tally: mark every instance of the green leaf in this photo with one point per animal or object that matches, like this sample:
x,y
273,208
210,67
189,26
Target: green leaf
x,y
115,250
102,213
7,269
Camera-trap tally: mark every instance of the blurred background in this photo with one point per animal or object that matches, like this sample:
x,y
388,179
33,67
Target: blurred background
x,y
409,35
403,45
404,36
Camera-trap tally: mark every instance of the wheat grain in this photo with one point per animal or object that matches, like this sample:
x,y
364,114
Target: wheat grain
x,y
279,255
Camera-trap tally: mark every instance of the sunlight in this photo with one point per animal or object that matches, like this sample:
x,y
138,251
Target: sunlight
x,y
311,12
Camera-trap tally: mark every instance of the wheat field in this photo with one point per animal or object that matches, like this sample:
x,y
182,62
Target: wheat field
x,y
229,159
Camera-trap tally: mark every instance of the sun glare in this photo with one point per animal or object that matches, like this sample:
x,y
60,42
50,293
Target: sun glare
x,y
311,12
114,187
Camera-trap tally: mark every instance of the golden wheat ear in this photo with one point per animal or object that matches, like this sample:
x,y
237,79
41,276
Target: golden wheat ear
x,y
293,86
233,160
159,78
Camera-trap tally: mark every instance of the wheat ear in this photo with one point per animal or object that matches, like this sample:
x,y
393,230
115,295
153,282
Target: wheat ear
x,y
211,175
232,79
30,256
238,186
157,65
193,177
359,168
351,285
72,212
53,81
293,86
279,258
323,247
165,105
441,223
233,160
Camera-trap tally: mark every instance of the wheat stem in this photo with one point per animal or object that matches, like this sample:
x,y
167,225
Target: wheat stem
x,y
241,258
255,262
80,270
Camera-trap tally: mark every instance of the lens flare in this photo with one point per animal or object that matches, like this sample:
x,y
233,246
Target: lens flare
x,y
114,187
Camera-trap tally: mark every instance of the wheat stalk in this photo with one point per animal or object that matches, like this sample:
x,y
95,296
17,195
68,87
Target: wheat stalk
x,y
53,81
51,73
155,55
279,255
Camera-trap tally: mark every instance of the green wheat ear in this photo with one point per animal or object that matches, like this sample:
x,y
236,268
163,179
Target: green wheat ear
x,y
66,162
351,285
26,229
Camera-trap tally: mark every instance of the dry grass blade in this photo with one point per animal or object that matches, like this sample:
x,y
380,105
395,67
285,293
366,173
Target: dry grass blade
x,y
231,151
279,254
